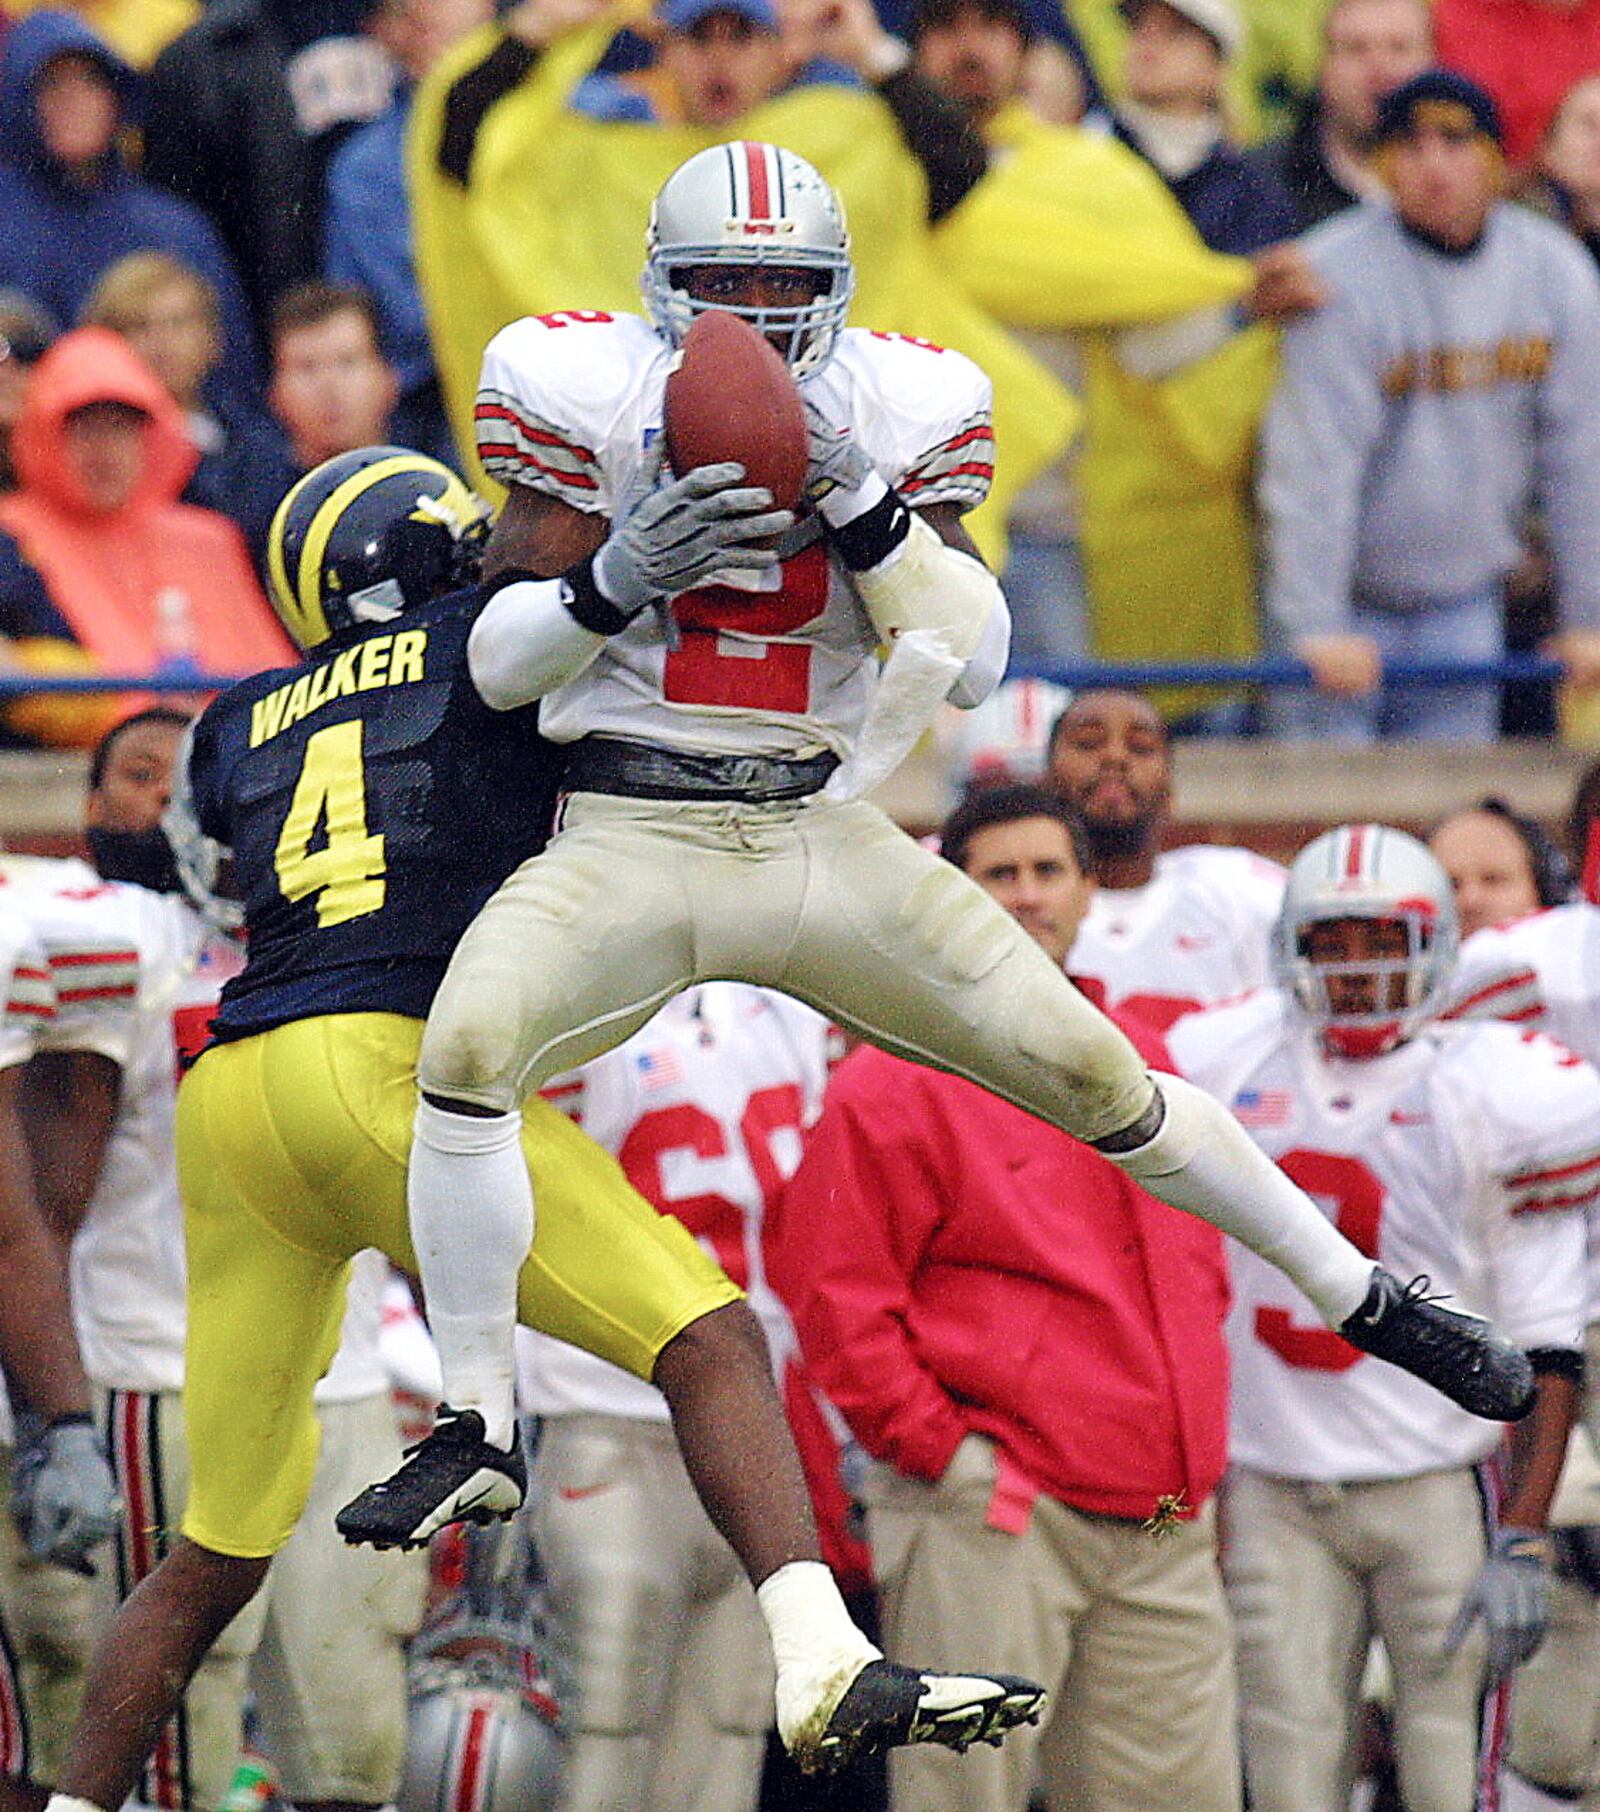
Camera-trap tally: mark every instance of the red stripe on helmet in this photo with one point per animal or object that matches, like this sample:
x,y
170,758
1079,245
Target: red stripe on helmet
x,y
755,159
469,1776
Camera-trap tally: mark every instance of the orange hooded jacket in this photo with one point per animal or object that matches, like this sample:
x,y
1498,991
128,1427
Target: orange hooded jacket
x,y
152,579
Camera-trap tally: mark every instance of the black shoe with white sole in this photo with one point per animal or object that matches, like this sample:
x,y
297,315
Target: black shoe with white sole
x,y
886,1705
454,1476
1458,1354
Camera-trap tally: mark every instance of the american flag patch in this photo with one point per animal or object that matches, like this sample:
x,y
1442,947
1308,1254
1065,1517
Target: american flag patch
x,y
1263,1106
659,1068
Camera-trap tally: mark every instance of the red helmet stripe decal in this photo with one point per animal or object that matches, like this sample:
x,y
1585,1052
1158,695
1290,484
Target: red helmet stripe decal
x,y
469,1775
755,157
1353,852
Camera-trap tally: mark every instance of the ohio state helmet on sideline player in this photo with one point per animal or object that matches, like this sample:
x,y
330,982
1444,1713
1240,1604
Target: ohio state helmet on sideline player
x,y
748,203
1368,871
480,1727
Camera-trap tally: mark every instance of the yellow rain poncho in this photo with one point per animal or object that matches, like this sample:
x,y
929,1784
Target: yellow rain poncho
x,y
1073,231
554,216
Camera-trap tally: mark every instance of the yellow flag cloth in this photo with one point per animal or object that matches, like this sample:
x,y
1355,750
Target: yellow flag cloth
x,y
137,30
1168,531
1072,229
1076,232
555,211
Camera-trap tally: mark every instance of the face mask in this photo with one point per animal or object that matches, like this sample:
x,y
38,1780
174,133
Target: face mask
x,y
143,857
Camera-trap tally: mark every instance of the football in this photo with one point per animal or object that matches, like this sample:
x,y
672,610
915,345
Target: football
x,y
730,396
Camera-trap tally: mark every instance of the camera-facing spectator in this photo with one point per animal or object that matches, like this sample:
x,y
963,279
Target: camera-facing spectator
x,y
1453,377
1172,114
26,332
332,389
68,195
1501,864
1569,163
168,314
98,554
1325,162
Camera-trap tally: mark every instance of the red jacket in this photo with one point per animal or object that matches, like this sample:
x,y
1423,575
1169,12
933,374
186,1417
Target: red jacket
x,y
954,1264
1527,53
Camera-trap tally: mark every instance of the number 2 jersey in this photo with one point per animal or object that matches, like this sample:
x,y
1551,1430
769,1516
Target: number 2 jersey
x,y
373,802
1459,1155
779,664
704,1109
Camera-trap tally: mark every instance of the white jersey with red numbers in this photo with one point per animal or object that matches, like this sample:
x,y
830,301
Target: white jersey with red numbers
x,y
1199,932
781,663
136,977
704,1108
1458,1155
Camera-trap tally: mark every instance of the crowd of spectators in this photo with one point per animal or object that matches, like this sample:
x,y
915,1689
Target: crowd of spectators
x,y
1080,197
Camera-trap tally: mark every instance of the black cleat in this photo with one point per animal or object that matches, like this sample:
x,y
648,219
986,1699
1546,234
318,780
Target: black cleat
x,y
886,1705
454,1476
1456,1353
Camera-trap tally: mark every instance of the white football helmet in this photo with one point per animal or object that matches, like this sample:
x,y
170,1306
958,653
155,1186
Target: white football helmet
x,y
1368,871
748,203
481,1728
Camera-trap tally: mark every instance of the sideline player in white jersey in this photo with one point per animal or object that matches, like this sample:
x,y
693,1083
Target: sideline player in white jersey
x,y
723,713
62,1498
1542,971
137,974
1360,1504
1165,933
657,1652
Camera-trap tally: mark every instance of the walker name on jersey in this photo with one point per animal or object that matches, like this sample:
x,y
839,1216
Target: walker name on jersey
x,y
383,660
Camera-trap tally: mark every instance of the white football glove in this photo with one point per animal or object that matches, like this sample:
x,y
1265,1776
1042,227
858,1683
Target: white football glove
x,y
63,1497
675,538
837,462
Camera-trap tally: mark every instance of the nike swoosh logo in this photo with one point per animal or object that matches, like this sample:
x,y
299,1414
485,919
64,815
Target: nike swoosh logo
x,y
573,1492
1399,1117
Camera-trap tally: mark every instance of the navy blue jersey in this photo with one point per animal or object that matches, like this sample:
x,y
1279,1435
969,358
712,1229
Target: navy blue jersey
x,y
372,802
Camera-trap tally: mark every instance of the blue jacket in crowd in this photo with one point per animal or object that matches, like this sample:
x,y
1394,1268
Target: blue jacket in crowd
x,y
60,235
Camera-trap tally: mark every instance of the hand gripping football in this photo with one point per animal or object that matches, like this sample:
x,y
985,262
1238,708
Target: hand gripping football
x,y
731,396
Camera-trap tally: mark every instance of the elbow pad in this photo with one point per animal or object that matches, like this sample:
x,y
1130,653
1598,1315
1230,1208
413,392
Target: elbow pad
x,y
926,584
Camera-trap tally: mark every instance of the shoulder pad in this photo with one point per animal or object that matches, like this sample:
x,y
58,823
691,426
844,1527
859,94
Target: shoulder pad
x,y
549,394
923,413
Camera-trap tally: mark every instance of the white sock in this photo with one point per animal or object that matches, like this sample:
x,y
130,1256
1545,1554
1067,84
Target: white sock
x,y
807,1619
1205,1163
471,1209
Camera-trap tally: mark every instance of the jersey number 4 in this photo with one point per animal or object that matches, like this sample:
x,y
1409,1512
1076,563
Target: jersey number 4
x,y
713,667
345,869
1357,1199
